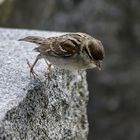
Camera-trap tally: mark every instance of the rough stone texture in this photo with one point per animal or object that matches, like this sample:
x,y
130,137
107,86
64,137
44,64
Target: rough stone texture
x,y
38,110
114,105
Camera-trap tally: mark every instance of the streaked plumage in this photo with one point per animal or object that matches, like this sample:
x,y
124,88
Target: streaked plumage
x,y
70,51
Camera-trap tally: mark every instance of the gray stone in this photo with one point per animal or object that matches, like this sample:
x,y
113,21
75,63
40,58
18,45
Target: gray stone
x,y
38,110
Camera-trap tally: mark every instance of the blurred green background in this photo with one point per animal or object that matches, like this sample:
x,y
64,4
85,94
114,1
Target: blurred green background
x,y
114,104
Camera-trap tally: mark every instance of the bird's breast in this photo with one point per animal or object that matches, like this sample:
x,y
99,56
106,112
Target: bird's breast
x,y
70,63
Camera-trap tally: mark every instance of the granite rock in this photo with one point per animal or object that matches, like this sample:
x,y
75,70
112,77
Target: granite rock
x,y
32,109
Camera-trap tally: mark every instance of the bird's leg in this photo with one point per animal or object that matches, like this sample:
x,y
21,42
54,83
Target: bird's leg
x,y
49,69
32,72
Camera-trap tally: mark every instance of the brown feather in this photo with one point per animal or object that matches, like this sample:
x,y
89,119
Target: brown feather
x,y
67,45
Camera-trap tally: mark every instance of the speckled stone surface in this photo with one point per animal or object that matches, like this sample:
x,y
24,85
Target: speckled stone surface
x,y
38,110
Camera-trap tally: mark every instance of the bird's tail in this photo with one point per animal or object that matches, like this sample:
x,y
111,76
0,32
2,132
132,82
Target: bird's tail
x,y
33,39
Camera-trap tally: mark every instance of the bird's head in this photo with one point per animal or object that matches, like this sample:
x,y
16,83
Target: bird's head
x,y
95,51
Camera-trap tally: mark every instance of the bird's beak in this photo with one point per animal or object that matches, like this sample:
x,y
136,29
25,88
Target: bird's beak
x,y
99,65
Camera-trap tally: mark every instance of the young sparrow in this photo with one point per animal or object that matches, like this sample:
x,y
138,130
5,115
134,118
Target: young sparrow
x,y
73,51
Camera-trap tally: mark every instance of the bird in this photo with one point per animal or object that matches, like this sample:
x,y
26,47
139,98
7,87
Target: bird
x,y
71,51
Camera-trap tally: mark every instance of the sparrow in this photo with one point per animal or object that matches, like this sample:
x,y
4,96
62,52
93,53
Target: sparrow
x,y
72,51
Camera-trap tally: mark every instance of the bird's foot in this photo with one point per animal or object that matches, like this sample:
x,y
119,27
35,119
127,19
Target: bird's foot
x,y
32,72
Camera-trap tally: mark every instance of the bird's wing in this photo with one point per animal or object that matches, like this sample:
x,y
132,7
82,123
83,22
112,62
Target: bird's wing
x,y
63,46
